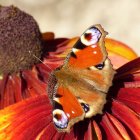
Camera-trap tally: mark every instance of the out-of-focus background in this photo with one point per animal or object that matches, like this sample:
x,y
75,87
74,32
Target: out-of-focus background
x,y
68,18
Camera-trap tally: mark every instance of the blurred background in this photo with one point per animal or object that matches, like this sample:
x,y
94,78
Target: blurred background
x,y
68,18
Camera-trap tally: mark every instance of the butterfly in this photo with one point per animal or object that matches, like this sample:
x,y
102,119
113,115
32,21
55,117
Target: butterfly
x,y
79,87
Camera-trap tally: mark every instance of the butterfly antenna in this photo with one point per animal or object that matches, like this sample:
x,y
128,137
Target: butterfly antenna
x,y
41,61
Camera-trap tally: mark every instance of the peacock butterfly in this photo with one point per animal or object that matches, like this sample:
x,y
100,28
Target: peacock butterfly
x,y
78,89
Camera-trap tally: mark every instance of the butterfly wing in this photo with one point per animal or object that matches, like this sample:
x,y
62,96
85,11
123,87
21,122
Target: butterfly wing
x,y
89,53
89,49
67,109
83,81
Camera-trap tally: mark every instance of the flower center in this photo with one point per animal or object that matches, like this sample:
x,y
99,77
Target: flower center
x,y
20,40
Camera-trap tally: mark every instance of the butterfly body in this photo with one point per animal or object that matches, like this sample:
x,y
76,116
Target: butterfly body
x,y
80,86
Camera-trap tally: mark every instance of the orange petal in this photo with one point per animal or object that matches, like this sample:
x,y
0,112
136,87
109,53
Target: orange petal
x,y
120,48
118,52
117,60
48,36
25,119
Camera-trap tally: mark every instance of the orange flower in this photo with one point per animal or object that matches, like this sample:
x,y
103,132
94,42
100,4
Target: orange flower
x,y
26,110
30,115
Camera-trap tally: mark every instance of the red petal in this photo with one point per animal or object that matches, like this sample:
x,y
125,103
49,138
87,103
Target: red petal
x,y
69,136
16,83
128,69
111,131
10,89
132,84
118,126
80,129
128,117
2,90
46,69
131,97
89,134
59,136
97,131
52,47
9,93
33,83
49,132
